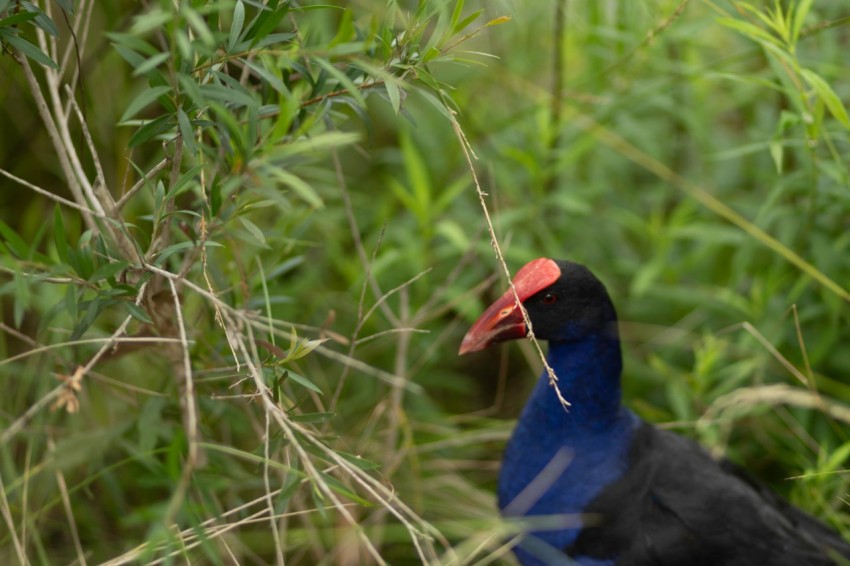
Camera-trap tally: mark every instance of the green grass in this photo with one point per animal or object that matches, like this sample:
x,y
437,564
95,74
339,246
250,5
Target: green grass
x,y
267,323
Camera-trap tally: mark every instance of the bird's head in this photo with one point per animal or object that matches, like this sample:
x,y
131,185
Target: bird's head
x,y
564,300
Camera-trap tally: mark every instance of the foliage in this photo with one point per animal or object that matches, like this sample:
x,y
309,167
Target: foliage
x,y
240,242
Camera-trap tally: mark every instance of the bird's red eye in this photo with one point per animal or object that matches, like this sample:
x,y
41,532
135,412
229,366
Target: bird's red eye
x,y
550,298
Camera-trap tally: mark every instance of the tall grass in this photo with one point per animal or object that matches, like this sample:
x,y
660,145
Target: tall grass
x,y
238,251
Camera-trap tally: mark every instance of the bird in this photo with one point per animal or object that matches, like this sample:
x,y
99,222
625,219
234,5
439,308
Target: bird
x,y
593,483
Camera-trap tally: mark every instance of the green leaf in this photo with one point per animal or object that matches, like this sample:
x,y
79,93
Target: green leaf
x,y
183,183
298,185
137,312
197,23
150,63
255,231
341,489
28,49
129,55
462,25
22,298
231,96
436,103
828,96
303,348
394,94
236,25
80,260
776,153
454,233
456,13
800,15
357,461
41,19
15,243
18,18
60,238
215,198
267,76
777,142
229,124
107,271
752,31
301,380
185,126
129,45
345,30
343,79
144,98
67,5
836,460
151,129
313,417
266,22
174,248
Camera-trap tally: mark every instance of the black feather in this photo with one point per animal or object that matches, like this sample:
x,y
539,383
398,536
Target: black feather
x,y
677,506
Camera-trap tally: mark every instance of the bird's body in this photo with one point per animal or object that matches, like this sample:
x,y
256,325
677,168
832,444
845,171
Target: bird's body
x,y
595,484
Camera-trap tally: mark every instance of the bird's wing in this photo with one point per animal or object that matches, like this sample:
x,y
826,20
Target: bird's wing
x,y
676,505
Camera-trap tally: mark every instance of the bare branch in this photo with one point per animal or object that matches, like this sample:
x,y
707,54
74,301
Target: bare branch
x,y
140,184
6,511
468,153
50,195
69,511
56,139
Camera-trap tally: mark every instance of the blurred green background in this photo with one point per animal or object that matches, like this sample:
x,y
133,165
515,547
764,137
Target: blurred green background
x,y
693,154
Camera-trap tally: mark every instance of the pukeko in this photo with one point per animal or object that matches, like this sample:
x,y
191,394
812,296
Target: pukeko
x,y
596,484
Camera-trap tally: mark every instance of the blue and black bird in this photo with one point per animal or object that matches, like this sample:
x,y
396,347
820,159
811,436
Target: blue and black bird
x,y
598,485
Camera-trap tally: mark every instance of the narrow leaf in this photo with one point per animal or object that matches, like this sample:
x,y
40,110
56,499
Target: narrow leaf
x,y
800,15
498,21
356,460
186,130
107,271
151,129
174,248
144,98
394,94
41,19
255,231
343,490
18,18
30,50
59,235
22,298
150,63
456,13
298,185
313,417
471,18
343,79
227,95
15,243
828,96
67,5
137,312
752,31
303,381
236,25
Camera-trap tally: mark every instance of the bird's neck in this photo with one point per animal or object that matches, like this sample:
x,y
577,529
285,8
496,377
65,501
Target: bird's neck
x,y
588,374
559,458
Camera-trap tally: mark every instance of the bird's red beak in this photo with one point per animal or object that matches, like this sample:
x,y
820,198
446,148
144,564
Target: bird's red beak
x,y
503,319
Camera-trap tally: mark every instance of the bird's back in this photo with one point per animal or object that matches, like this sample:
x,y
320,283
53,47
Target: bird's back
x,y
676,505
